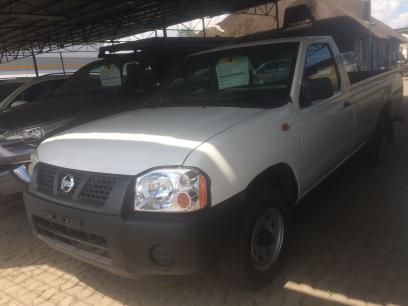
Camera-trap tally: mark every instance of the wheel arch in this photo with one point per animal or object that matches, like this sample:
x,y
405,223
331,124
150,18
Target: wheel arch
x,y
279,175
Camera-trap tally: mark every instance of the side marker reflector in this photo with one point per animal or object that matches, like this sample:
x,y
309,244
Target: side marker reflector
x,y
285,127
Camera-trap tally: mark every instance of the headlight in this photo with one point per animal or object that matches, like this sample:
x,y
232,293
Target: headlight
x,y
35,133
26,135
34,161
171,190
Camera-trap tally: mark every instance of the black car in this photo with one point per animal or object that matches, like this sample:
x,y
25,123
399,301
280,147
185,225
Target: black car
x,y
117,82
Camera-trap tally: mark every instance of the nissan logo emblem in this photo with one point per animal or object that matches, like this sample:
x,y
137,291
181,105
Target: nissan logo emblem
x,y
67,183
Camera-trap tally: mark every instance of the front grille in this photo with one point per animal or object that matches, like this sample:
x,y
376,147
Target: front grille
x,y
90,187
94,245
77,177
98,188
46,178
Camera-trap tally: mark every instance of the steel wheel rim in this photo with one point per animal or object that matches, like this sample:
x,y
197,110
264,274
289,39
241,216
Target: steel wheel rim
x,y
267,239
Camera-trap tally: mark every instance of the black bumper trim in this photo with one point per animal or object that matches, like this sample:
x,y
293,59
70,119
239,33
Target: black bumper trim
x,y
182,243
67,249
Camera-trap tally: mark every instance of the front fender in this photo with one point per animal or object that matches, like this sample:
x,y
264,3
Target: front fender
x,y
235,157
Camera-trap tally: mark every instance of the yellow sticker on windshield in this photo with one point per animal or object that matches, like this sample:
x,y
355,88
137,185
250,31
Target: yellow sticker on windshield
x,y
233,72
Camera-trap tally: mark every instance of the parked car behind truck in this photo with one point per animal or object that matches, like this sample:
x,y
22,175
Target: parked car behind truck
x,y
33,90
15,150
110,85
214,165
8,86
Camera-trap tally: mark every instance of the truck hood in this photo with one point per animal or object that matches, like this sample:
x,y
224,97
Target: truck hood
x,y
132,142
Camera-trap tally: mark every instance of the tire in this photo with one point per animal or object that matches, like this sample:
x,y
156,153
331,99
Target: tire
x,y
260,253
377,148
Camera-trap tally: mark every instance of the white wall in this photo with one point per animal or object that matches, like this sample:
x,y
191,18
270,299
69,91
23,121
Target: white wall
x,y
50,62
404,47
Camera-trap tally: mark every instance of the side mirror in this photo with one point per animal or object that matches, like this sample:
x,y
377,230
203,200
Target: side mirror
x,y
314,90
18,103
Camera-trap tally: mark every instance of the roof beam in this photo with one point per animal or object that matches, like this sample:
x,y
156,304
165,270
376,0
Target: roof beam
x,y
48,24
33,16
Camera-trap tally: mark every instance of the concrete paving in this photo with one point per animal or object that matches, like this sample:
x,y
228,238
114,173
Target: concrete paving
x,y
350,247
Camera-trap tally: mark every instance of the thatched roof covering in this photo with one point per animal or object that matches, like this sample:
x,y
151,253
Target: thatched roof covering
x,y
237,25
354,10
357,10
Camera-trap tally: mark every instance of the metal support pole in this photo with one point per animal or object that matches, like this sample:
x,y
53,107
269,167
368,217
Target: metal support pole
x,y
164,32
62,63
35,65
277,16
203,22
370,40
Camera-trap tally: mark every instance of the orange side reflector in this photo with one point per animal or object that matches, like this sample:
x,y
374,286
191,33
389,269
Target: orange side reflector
x,y
203,196
285,127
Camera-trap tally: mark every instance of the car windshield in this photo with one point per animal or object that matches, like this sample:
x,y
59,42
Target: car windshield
x,y
8,88
251,76
107,76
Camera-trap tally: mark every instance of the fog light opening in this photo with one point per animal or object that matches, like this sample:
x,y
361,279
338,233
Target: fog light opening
x,y
161,256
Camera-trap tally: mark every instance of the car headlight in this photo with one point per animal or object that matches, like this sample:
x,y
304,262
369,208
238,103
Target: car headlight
x,y
32,134
35,133
171,190
34,160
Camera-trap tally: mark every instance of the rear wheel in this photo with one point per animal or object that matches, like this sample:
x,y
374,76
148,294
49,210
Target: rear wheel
x,y
263,241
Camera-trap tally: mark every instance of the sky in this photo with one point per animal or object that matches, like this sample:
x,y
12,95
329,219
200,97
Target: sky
x,y
392,12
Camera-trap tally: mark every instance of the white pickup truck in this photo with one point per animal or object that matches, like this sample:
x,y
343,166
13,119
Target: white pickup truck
x,y
213,165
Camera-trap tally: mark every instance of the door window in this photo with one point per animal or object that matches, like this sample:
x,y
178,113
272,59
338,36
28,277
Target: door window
x,y
320,64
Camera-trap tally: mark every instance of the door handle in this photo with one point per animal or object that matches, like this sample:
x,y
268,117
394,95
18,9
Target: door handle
x,y
347,104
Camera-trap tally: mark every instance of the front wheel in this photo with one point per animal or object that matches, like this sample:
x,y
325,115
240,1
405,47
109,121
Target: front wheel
x,y
262,244
267,239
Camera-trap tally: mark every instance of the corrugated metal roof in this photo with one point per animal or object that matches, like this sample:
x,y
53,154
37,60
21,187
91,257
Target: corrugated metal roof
x,y
38,25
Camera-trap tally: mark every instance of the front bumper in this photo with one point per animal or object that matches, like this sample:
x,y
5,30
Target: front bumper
x,y
138,244
12,155
9,183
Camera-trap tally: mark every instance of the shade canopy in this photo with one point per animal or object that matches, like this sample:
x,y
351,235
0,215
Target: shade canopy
x,y
40,25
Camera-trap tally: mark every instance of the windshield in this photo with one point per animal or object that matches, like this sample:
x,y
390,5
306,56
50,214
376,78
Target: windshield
x,y
8,88
108,76
250,76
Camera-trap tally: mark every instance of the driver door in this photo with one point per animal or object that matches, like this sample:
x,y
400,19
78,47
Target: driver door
x,y
326,125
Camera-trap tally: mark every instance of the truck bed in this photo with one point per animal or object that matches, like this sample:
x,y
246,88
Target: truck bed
x,y
389,80
359,76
